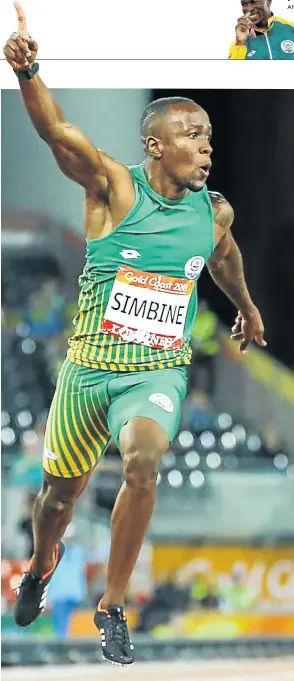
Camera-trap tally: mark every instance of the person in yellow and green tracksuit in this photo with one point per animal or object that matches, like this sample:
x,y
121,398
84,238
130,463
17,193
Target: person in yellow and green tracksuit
x,y
262,35
237,595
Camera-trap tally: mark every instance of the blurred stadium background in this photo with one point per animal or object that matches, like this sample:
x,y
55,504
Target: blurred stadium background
x,y
215,579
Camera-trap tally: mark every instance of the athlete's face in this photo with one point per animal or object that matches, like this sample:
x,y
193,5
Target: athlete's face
x,y
257,10
184,146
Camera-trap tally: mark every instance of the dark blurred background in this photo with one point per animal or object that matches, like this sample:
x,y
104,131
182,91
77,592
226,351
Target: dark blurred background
x,y
253,166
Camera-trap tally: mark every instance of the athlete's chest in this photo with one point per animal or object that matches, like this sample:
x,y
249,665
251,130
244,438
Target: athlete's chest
x,y
271,45
168,242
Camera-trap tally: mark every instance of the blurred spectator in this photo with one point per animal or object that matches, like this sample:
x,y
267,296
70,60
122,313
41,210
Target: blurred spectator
x,y
68,587
45,316
168,598
205,346
26,525
198,413
44,311
204,591
236,594
27,468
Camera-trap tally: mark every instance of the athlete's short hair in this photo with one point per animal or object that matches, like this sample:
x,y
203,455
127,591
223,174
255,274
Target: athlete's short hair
x,y
155,109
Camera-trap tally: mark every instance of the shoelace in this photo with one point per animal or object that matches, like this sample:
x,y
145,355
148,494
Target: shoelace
x,y
24,578
33,577
119,631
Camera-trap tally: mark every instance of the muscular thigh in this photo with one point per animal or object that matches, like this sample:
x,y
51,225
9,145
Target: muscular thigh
x,y
77,431
155,395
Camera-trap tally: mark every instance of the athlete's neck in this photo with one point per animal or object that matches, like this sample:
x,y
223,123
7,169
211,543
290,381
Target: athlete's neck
x,y
161,182
264,22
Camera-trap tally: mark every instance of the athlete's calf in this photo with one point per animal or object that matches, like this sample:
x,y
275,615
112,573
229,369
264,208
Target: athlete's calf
x,y
142,444
52,513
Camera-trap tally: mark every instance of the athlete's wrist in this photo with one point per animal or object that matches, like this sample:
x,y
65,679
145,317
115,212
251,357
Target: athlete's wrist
x,y
29,73
248,309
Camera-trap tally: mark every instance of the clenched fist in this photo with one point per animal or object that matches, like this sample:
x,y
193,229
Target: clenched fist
x,y
20,50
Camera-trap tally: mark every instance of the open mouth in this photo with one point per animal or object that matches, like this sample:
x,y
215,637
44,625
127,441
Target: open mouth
x,y
205,169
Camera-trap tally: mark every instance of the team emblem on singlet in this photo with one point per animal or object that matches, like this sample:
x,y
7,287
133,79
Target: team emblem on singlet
x,y
288,46
149,309
194,266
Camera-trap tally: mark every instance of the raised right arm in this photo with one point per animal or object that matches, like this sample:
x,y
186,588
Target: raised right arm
x,y
75,154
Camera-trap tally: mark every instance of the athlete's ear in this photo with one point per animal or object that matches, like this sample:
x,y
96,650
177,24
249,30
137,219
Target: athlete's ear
x,y
154,147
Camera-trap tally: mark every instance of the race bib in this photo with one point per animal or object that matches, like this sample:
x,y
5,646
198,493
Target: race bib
x,y
148,309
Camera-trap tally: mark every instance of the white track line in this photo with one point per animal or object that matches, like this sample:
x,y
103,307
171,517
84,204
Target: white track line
x,y
282,676
243,670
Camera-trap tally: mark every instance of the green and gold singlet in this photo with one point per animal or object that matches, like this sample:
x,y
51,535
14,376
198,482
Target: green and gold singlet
x,y
137,308
138,290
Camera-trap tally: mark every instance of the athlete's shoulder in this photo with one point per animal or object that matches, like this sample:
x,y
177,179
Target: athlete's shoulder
x,y
286,22
217,197
136,170
223,211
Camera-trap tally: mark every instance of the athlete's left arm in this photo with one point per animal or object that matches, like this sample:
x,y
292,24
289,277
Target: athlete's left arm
x,y
226,269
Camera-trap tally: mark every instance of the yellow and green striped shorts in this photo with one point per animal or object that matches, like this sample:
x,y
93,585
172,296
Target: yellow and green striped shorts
x,y
90,406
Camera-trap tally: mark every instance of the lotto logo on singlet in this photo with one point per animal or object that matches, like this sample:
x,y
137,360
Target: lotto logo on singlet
x,y
129,254
162,401
147,308
194,266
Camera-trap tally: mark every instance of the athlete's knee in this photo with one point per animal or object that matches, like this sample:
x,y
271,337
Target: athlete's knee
x,y
56,496
142,443
54,502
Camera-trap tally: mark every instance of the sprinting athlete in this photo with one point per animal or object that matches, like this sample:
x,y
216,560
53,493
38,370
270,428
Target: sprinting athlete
x,y
150,230
262,35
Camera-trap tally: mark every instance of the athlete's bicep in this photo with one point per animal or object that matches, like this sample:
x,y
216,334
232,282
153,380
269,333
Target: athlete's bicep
x,y
223,214
221,251
223,220
77,157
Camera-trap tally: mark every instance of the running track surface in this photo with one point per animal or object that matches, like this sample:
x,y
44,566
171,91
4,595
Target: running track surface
x,y
241,670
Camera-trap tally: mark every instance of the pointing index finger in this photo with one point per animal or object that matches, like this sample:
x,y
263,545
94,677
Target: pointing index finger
x,y
22,24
